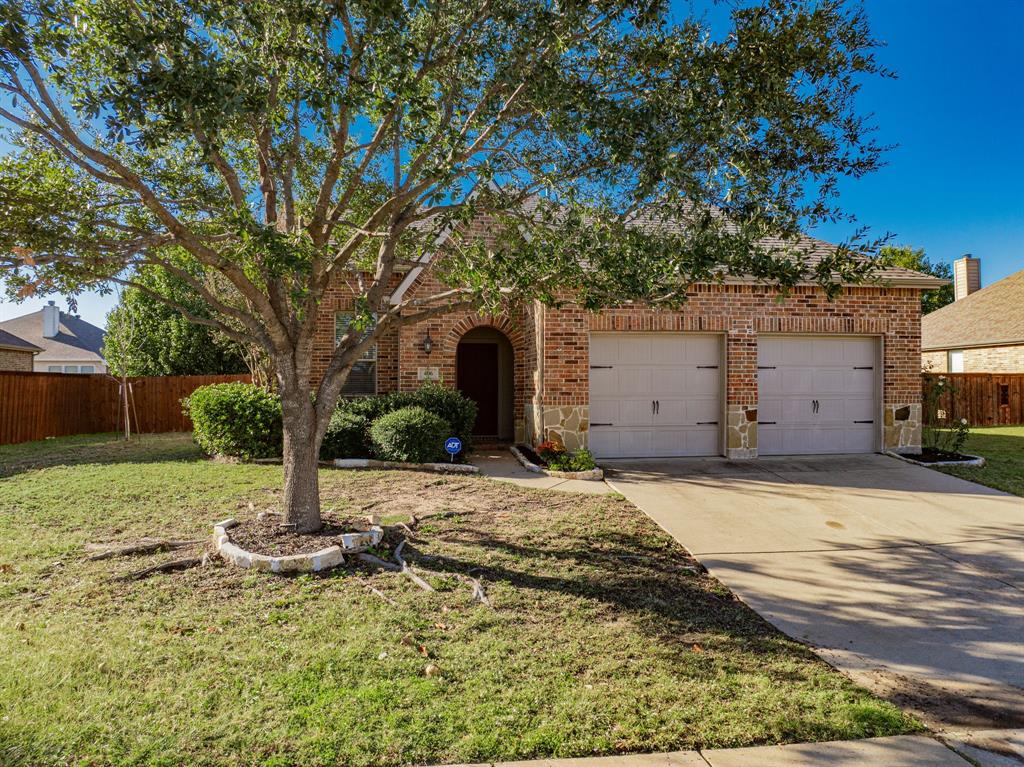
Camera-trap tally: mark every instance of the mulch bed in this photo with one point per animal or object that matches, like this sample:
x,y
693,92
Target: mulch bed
x,y
931,455
264,535
531,455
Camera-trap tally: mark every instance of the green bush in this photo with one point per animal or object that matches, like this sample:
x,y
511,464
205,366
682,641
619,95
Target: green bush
x,y
348,436
451,405
410,434
235,419
458,410
581,460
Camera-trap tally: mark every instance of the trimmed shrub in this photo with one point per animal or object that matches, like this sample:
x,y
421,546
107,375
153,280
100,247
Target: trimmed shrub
x,y
453,406
235,419
348,436
410,434
458,410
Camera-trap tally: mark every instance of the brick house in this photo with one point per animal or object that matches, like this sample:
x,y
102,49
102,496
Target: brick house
x,y
737,371
982,331
16,353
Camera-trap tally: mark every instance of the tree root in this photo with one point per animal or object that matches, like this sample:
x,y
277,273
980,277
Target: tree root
x,y
166,567
408,570
370,559
143,546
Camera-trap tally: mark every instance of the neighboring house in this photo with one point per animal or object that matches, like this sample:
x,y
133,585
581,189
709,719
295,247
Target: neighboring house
x,y
16,353
982,331
735,372
66,342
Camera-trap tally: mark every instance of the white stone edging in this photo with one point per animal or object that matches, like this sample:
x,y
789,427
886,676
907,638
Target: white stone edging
x,y
323,559
976,461
526,463
370,463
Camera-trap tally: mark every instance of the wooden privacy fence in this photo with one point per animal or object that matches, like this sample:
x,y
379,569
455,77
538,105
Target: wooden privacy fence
x,y
40,405
984,399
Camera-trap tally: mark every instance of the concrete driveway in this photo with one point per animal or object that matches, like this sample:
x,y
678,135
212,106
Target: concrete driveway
x,y
909,580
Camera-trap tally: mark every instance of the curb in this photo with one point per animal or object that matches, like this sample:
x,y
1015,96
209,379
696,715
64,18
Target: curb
x,y
370,463
526,463
975,461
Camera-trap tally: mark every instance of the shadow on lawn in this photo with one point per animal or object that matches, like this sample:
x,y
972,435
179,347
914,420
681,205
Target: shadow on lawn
x,y
96,449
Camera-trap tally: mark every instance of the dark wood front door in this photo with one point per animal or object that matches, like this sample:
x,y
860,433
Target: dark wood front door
x,y
477,378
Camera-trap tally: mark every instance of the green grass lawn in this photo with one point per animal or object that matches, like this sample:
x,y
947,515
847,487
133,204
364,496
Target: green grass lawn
x,y
1003,449
600,639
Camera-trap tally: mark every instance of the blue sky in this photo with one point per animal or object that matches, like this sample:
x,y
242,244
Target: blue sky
x,y
953,185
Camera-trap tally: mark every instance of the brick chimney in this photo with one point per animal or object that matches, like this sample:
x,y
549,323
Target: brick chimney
x,y
51,320
966,276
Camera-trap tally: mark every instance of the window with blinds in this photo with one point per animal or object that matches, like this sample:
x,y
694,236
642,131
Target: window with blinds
x,y
362,380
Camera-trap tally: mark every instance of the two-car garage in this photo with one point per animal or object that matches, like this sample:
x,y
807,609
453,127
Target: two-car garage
x,y
662,394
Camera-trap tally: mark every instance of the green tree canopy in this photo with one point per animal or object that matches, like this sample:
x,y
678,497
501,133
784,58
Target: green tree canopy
x,y
915,258
285,144
148,337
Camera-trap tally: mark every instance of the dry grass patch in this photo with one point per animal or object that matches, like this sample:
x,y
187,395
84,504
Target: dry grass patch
x,y
604,635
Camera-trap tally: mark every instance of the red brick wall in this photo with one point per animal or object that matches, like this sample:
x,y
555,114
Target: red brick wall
x,y
742,312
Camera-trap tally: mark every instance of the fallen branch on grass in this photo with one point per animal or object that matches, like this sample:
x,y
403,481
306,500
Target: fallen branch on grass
x,y
143,546
173,566
370,559
408,570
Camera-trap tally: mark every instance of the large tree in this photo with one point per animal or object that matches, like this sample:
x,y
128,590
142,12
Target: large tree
x,y
915,258
285,144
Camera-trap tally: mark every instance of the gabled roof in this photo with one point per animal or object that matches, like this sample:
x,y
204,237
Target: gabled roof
x,y
76,339
812,249
992,316
12,342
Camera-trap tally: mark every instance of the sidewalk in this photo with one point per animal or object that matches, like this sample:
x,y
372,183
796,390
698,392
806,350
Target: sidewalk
x,y
899,751
502,466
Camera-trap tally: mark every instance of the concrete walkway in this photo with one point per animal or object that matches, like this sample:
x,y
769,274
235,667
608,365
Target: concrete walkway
x,y
902,751
502,466
909,580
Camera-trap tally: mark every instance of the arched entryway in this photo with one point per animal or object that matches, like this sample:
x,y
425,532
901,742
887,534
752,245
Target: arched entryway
x,y
484,372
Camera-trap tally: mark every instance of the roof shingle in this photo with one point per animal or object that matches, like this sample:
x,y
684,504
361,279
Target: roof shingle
x,y
991,316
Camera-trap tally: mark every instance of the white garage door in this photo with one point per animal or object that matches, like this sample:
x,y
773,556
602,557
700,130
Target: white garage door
x,y
816,395
654,394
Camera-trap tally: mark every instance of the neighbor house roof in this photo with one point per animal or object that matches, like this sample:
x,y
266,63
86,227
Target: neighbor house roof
x,y
992,316
12,342
76,339
812,249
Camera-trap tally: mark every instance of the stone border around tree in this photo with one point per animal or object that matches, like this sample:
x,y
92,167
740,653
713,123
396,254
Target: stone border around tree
x,y
975,461
526,463
332,556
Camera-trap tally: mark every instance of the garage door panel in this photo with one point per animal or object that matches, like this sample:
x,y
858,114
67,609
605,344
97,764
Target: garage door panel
x,y
669,379
796,380
680,371
835,372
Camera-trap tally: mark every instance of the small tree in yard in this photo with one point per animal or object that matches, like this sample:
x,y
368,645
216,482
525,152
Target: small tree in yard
x,y
260,151
147,337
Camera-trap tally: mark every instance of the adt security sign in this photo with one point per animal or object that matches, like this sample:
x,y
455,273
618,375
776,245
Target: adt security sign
x,y
453,446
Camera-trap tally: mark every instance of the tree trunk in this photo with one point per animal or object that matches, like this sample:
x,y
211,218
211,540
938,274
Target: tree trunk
x,y
301,461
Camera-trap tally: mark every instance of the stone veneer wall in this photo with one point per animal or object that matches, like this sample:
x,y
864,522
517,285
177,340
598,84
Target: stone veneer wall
x,y
986,359
15,360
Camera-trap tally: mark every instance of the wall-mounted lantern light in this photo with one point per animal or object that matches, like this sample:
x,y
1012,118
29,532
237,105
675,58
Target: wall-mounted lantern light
x,y
428,344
